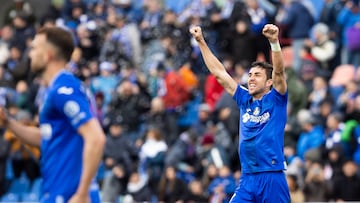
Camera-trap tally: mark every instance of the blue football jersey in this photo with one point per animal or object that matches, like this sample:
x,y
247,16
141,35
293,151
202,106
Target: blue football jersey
x,y
65,108
262,124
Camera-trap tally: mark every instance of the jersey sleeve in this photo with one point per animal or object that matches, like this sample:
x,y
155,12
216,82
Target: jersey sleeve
x,y
72,103
240,94
280,99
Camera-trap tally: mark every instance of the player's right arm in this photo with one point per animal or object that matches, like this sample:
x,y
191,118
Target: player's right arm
x,y
28,134
213,64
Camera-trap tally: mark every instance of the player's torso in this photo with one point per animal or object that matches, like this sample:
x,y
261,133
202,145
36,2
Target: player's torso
x,y
261,134
61,146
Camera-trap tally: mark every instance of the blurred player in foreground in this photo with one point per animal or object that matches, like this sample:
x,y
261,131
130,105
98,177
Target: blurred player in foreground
x,y
70,138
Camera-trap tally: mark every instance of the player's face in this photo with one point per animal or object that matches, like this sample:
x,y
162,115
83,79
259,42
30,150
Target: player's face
x,y
38,53
258,84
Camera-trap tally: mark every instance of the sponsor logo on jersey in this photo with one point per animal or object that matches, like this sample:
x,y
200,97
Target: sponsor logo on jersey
x,y
256,118
65,90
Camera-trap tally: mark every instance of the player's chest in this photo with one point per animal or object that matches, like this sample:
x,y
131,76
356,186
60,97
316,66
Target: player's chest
x,y
256,113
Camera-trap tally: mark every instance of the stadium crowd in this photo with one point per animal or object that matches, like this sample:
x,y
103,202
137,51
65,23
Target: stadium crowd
x,y
172,131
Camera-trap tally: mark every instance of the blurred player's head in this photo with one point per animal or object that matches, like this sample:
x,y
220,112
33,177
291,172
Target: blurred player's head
x,y
260,78
50,44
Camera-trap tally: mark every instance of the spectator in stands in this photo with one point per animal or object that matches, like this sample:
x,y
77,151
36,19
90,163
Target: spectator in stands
x,y
171,188
182,155
13,61
212,154
326,107
319,92
152,157
67,9
105,82
296,193
4,153
227,114
88,40
295,164
138,188
118,162
356,154
222,187
212,91
312,135
151,20
346,100
334,160
347,185
165,122
196,192
130,107
23,31
132,10
316,189
5,40
257,17
205,120
349,18
297,18
242,36
177,93
180,49
322,49
24,158
117,45
328,16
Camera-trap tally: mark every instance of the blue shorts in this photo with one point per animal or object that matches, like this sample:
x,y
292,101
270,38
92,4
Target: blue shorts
x,y
269,187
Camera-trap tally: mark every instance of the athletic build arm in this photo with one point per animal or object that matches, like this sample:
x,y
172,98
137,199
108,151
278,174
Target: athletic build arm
x,y
213,64
94,141
28,134
279,82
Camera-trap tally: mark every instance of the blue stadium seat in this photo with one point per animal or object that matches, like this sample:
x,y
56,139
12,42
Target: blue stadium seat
x,y
30,197
20,185
10,197
36,186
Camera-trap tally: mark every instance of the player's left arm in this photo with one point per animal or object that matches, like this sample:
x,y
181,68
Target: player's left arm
x,y
279,81
73,103
94,141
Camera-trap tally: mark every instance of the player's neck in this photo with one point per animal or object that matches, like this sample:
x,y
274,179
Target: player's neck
x,y
259,96
52,70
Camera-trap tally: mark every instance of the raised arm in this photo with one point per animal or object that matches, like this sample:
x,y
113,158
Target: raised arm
x,y
213,64
28,134
279,82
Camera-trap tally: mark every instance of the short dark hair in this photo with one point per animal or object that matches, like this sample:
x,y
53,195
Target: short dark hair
x,y
61,39
264,65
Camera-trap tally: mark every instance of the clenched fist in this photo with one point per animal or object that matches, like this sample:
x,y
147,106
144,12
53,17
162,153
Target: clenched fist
x,y
197,33
271,32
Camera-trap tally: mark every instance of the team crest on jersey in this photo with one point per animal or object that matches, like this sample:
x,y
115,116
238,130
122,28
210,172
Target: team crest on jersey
x,y
71,108
256,111
65,90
